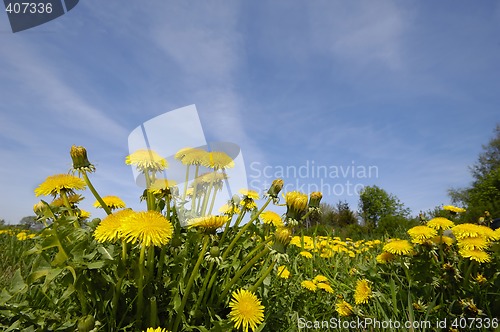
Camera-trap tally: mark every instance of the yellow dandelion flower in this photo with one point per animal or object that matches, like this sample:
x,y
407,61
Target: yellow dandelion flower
x,y
158,329
210,177
283,272
421,233
270,217
480,279
22,236
148,228
327,288
363,291
310,285
84,214
109,228
73,199
179,155
440,223
229,209
252,194
487,233
473,243
320,278
146,159
217,160
399,247
161,185
467,230
113,202
53,185
208,223
193,156
246,310
248,204
306,254
343,308
454,209
326,253
475,255
442,239
496,235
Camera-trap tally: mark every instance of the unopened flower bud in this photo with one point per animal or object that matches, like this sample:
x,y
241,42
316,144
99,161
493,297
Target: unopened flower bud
x,y
276,187
80,161
315,199
38,207
236,199
85,324
283,235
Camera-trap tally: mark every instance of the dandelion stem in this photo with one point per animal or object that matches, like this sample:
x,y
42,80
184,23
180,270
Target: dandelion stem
x,y
194,273
65,199
264,276
96,195
213,202
226,228
207,196
242,271
186,184
140,286
195,187
257,248
204,287
243,229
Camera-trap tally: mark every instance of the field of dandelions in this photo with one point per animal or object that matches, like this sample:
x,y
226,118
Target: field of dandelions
x,y
239,267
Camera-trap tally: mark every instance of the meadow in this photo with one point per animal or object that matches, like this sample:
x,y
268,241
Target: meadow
x,y
144,271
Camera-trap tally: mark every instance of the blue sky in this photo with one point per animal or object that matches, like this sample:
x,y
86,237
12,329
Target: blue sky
x,y
408,87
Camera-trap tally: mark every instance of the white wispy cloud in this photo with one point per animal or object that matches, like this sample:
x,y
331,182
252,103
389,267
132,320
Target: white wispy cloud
x,y
360,33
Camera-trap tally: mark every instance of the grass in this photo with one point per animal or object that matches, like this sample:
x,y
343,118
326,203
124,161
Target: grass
x,y
11,256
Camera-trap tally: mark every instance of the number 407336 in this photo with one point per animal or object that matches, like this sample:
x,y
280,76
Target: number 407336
x,y
29,8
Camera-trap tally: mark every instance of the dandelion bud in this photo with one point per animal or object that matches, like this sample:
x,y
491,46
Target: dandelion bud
x,y
283,237
214,251
276,187
315,199
38,208
80,161
236,199
85,324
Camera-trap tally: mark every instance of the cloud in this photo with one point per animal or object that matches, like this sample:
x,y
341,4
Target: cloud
x,y
41,81
361,33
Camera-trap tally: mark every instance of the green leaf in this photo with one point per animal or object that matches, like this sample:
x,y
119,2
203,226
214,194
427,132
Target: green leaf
x,y
72,271
17,283
51,275
37,275
107,253
60,258
96,265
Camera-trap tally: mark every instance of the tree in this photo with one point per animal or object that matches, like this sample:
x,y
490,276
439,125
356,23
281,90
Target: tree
x,y
28,222
375,203
344,216
484,192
